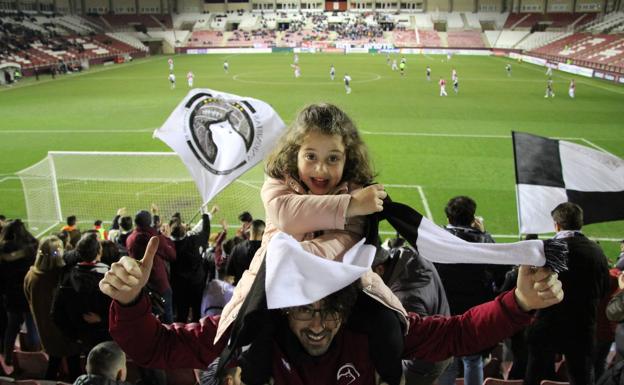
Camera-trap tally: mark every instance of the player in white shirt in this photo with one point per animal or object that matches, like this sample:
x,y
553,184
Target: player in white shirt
x,y
508,69
395,67
453,74
549,71
189,78
572,89
172,80
297,70
170,62
456,84
428,73
226,66
296,59
332,72
347,83
442,84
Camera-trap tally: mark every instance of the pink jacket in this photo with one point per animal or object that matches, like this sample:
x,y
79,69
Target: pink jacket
x,y
291,210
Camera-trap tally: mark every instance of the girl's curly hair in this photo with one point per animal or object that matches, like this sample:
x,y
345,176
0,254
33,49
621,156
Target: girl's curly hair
x,y
326,119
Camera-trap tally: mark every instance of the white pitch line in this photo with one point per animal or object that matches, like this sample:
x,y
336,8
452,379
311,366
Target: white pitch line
x,y
12,132
443,135
248,184
425,203
596,146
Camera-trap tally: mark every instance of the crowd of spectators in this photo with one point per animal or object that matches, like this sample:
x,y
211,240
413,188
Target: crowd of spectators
x,y
51,286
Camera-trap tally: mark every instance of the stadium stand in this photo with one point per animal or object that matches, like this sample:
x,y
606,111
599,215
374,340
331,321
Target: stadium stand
x,y
465,39
595,51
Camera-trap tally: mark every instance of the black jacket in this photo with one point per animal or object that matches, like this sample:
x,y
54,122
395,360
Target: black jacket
x,y
572,323
188,266
470,284
95,379
241,257
79,293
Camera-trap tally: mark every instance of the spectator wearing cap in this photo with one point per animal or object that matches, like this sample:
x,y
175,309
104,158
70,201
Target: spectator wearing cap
x,y
137,243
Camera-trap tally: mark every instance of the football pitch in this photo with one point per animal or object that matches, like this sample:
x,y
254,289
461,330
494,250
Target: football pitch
x,y
425,148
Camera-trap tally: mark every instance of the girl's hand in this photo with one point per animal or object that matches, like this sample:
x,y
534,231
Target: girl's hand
x,y
367,201
621,280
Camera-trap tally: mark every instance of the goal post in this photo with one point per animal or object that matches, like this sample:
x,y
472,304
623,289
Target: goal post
x,y
94,185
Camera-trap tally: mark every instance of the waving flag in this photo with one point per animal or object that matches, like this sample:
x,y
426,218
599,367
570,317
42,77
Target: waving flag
x,y
219,136
549,172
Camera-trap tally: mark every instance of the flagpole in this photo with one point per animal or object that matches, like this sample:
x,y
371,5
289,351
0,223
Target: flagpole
x,y
513,145
518,213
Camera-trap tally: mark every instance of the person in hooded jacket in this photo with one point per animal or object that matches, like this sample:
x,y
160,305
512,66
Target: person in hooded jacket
x,y
79,309
416,283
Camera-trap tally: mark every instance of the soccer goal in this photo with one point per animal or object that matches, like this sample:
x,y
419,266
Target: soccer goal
x,y
93,185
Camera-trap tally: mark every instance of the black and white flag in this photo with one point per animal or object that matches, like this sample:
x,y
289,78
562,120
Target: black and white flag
x,y
549,172
219,136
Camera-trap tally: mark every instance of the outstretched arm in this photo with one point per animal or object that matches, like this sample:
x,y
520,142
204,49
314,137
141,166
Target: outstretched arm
x,y
140,334
436,338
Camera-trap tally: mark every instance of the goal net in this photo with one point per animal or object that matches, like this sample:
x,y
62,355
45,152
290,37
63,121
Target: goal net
x,y
93,185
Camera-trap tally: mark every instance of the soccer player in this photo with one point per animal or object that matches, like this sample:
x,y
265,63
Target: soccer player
x,y
189,78
387,58
549,89
453,74
428,73
456,84
297,71
347,83
549,71
442,84
403,60
572,89
508,69
394,65
402,67
226,66
332,72
170,62
172,80
296,59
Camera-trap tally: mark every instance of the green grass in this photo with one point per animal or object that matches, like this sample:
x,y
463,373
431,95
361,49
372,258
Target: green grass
x,y
116,108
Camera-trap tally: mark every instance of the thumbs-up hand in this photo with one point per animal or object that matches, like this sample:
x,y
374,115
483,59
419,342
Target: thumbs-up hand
x,y
125,279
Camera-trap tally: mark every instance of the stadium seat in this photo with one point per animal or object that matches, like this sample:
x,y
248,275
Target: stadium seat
x,y
31,364
500,381
549,382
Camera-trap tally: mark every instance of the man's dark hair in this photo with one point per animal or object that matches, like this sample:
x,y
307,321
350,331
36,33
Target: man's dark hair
x,y
178,229
105,359
2,217
460,211
97,222
245,216
568,215
257,226
343,300
125,223
88,247
71,220
143,219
